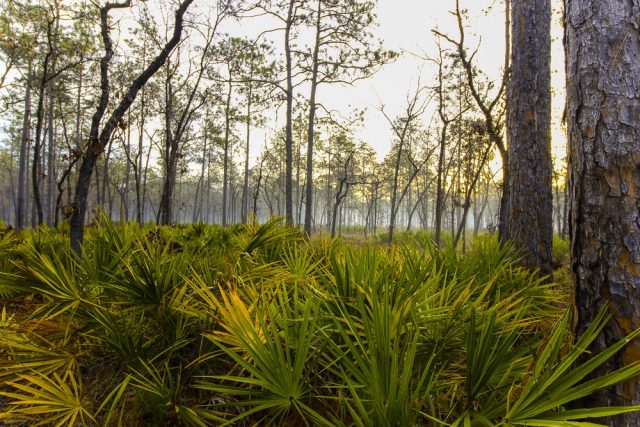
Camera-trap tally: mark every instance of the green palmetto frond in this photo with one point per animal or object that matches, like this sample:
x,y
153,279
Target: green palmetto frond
x,y
557,381
163,388
374,348
272,351
53,400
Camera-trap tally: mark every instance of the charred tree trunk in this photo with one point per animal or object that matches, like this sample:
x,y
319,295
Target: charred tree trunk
x,y
529,134
603,65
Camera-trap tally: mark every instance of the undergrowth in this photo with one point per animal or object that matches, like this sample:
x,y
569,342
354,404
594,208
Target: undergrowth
x,y
254,325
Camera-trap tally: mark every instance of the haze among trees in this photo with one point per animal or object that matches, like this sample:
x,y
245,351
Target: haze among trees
x,y
458,278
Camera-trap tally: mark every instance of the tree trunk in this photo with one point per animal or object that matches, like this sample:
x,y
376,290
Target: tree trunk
x,y
51,160
245,185
603,65
165,214
439,184
227,130
98,139
37,146
127,173
308,207
21,206
138,168
288,192
529,134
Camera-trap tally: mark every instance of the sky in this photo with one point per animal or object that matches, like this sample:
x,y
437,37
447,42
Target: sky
x,y
405,26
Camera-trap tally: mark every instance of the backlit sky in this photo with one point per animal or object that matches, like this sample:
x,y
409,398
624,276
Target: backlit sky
x,y
405,27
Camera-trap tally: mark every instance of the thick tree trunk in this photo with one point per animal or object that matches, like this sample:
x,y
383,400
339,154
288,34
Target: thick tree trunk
x,y
529,134
603,83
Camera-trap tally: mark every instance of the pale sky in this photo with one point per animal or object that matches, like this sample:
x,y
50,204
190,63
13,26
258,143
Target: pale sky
x,y
405,26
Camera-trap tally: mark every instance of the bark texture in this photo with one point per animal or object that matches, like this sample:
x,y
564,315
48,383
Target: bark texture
x,y
529,134
603,125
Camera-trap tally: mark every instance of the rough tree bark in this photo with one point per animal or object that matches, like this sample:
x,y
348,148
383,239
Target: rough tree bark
x,y
529,134
603,126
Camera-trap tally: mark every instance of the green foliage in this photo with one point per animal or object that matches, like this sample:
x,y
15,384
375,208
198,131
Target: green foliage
x,y
560,251
253,324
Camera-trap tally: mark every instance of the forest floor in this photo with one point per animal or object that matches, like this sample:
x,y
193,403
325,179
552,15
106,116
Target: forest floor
x,y
250,324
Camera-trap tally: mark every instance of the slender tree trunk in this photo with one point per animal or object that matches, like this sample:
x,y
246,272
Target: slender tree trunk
x,y
603,69
145,174
21,205
503,147
245,186
37,146
467,199
127,171
98,139
439,205
51,159
165,210
529,135
288,192
138,171
227,131
308,207
199,198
